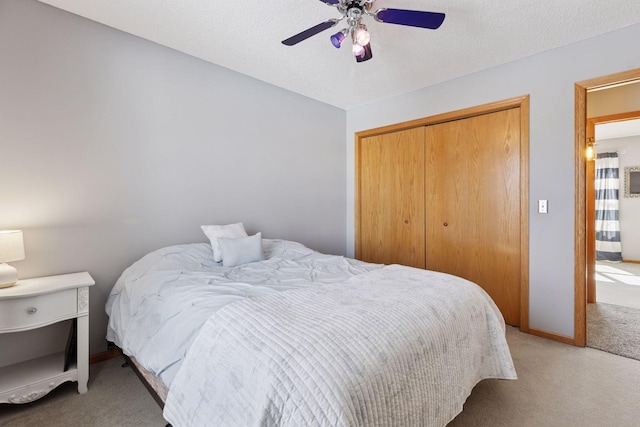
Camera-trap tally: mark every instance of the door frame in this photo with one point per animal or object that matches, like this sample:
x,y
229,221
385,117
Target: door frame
x,y
584,259
521,102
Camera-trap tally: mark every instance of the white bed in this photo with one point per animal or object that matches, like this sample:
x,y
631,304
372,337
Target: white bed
x,y
303,338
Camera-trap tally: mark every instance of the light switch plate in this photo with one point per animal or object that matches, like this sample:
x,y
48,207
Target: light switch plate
x,y
542,206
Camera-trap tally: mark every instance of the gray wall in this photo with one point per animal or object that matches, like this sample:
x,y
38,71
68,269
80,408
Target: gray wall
x,y
549,78
112,146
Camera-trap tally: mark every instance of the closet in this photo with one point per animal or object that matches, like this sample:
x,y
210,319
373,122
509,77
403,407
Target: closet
x,y
450,193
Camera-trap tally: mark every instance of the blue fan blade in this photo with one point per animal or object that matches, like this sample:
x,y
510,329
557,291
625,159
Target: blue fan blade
x,y
331,2
412,18
309,32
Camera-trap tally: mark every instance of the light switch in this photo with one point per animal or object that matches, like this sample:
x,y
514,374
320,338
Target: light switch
x,y
542,206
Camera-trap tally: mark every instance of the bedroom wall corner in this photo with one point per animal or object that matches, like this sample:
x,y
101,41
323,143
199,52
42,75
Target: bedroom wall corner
x,y
112,146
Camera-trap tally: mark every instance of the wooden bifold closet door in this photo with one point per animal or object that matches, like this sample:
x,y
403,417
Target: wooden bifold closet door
x,y
391,198
447,197
473,204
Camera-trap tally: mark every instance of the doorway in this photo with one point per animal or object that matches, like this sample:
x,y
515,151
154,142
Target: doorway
x,y
585,262
613,139
613,292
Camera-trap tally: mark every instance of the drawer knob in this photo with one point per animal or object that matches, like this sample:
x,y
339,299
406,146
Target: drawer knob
x,y
31,310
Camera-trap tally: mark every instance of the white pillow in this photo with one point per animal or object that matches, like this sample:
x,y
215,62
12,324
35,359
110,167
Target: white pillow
x,y
214,232
241,250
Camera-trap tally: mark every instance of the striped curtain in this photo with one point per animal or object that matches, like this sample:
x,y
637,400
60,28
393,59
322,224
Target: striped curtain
x,y
608,246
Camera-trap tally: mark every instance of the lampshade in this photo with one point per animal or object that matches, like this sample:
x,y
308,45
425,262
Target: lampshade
x,y
11,245
337,39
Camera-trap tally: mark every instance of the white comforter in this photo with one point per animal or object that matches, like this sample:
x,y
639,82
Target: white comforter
x,y
349,343
161,301
396,346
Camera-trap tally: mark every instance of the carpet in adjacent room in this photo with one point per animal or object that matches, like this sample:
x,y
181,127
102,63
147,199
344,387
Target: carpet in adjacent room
x,y
614,329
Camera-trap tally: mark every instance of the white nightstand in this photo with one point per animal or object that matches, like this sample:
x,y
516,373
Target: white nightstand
x,y
35,303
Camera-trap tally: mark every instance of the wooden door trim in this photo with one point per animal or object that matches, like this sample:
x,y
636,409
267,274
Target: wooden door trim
x,y
521,102
590,176
524,213
580,168
611,118
447,117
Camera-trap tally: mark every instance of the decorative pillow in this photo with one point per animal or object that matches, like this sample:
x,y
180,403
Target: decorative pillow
x,y
214,232
241,250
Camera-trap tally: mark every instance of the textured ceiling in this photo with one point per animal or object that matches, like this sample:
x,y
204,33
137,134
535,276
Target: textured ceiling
x,y
245,36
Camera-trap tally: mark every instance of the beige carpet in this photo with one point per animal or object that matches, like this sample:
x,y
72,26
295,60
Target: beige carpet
x,y
116,398
558,385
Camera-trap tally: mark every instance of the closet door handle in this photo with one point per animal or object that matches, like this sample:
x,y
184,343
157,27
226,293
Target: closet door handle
x,y
445,224
406,221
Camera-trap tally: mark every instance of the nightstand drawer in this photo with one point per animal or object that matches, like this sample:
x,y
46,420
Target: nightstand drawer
x,y
38,310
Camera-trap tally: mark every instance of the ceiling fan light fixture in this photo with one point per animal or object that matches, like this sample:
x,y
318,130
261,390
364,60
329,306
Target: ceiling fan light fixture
x,y
362,36
358,50
337,39
367,55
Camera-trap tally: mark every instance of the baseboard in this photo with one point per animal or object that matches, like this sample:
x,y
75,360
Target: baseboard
x,y
105,355
555,337
633,261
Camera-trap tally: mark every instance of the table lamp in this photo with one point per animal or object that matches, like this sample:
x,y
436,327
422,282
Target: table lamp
x,y
11,249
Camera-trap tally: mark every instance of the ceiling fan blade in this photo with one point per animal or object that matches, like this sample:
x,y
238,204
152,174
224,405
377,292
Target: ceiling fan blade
x,y
331,2
413,18
310,32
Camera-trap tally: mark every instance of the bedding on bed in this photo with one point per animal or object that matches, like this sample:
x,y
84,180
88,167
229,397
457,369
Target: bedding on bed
x,y
303,338
395,346
160,302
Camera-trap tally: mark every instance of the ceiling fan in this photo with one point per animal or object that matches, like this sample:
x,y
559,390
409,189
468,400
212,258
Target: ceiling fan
x,y
354,11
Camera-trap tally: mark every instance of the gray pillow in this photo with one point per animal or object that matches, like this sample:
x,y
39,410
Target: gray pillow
x,y
241,250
